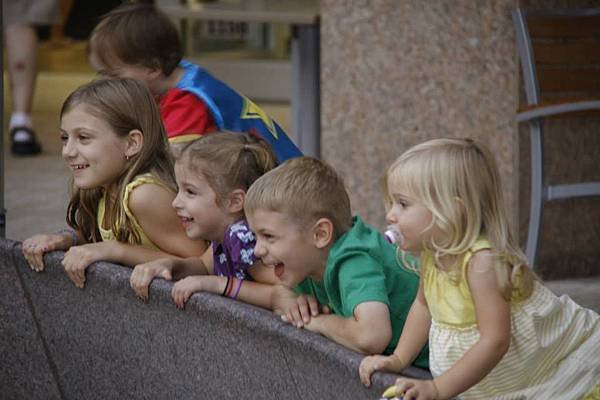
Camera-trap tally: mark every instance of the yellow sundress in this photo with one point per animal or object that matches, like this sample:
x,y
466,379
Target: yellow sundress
x,y
107,234
555,343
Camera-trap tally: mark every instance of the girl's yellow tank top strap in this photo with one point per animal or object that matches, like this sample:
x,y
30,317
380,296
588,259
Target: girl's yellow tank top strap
x,y
139,180
106,234
480,244
447,293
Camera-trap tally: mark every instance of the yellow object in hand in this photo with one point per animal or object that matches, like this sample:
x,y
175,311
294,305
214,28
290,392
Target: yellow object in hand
x,y
390,392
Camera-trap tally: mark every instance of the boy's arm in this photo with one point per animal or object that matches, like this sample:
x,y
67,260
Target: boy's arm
x,y
183,113
368,331
414,336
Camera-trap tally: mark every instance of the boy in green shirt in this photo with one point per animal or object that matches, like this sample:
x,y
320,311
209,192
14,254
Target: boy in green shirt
x,y
300,214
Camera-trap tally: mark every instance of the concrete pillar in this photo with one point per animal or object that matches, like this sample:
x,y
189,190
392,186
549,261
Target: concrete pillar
x,y
399,72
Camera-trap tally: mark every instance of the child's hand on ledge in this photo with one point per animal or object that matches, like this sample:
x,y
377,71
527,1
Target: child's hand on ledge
x,y
416,389
143,274
183,289
282,298
78,258
301,312
377,362
36,246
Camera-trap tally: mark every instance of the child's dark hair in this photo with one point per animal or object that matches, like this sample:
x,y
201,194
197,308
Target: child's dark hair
x,y
137,34
228,160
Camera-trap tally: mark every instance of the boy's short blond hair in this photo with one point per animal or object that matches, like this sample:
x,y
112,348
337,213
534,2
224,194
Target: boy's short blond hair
x,y
305,189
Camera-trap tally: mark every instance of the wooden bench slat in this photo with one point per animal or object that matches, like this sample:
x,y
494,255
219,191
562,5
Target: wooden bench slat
x,y
566,27
568,80
567,53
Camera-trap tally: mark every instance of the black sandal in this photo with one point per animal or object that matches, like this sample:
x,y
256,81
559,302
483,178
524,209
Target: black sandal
x,y
24,148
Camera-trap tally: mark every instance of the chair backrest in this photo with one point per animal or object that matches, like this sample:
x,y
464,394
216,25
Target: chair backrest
x,y
560,53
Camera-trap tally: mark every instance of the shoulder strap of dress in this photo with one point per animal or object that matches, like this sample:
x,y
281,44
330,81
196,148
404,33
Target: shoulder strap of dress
x,y
480,244
138,181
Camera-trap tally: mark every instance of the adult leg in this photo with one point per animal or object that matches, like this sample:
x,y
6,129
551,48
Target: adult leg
x,y
20,42
21,50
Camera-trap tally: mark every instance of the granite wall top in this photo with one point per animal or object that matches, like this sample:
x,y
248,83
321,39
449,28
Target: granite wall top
x,y
61,342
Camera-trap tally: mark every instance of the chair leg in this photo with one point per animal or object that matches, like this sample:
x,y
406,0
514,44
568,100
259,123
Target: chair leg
x,y
537,192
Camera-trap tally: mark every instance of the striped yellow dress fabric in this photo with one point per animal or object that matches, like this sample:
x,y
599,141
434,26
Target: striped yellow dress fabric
x,y
107,234
555,343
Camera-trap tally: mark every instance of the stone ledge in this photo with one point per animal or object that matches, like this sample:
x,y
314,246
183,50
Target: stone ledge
x,y
101,342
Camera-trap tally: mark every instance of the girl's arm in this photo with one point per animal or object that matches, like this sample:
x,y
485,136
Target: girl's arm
x,y
35,247
256,293
259,292
151,205
168,268
252,292
261,273
415,332
414,336
185,267
493,320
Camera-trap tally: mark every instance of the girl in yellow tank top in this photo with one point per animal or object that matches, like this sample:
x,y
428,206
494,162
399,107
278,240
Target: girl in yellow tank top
x,y
495,332
123,183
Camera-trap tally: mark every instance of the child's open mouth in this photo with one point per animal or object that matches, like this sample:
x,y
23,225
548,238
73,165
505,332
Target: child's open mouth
x,y
279,269
78,167
185,221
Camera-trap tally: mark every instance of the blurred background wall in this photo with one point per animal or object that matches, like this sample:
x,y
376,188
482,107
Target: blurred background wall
x,y
399,72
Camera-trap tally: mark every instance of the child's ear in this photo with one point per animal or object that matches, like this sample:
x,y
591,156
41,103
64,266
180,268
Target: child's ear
x,y
155,71
236,201
135,141
323,232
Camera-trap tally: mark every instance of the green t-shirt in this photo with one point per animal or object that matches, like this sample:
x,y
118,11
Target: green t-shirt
x,y
362,266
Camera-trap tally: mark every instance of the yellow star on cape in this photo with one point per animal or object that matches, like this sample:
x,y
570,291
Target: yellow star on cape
x,y
252,111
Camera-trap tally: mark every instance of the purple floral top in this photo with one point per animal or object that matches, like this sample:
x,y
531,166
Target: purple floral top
x,y
235,255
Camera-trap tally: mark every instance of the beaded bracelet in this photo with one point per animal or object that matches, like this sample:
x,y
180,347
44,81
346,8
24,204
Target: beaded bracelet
x,y
226,286
71,233
230,288
237,289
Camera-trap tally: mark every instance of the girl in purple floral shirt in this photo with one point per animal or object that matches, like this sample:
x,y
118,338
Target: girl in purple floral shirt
x,y
213,174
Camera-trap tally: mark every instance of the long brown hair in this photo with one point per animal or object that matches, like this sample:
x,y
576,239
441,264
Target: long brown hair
x,y
124,104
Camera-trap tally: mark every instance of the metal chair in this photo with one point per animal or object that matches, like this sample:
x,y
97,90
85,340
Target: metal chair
x,y
560,60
